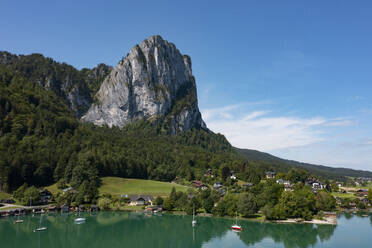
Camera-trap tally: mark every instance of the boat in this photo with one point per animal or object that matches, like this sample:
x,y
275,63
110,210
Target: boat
x,y
80,220
193,217
236,227
18,221
40,228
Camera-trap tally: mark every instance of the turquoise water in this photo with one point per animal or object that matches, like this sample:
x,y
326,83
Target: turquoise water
x,y
127,229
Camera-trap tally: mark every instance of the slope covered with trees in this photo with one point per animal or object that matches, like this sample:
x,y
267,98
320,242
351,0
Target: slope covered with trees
x,y
41,142
279,164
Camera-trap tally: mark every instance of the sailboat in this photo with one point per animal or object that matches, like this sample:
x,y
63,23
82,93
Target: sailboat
x,y
18,221
40,228
79,220
193,217
236,227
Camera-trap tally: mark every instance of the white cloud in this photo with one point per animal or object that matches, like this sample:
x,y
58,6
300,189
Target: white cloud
x,y
339,122
259,130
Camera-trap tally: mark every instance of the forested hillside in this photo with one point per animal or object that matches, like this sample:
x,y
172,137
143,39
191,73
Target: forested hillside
x,y
76,88
41,141
285,165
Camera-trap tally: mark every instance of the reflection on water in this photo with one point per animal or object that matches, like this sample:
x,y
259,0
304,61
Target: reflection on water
x,y
125,229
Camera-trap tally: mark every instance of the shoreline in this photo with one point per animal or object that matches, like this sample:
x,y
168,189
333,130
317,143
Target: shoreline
x,y
332,220
325,221
328,220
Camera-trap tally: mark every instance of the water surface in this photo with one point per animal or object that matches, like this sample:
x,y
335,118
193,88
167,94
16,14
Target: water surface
x,y
128,229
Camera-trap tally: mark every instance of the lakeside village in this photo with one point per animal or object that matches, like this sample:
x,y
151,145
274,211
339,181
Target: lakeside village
x,y
295,196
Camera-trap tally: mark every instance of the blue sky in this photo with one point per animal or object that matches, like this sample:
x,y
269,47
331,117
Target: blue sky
x,y
292,78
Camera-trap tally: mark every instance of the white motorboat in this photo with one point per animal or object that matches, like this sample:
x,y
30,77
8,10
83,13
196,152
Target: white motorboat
x,y
79,220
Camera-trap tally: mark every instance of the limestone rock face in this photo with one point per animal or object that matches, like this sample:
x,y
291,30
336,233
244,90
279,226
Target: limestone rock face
x,y
153,82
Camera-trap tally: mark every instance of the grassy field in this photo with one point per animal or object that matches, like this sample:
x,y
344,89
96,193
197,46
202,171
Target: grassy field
x,y
341,195
240,182
4,195
117,186
53,189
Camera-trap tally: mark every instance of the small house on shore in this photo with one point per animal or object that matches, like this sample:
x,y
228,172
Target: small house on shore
x,y
52,208
65,209
44,196
140,200
81,208
154,209
94,208
8,201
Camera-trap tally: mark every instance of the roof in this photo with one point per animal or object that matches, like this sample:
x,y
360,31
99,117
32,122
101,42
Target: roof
x,y
217,184
67,189
139,197
198,184
45,191
362,190
270,172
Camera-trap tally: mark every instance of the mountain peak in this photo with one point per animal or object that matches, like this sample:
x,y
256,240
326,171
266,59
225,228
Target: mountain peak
x,y
154,81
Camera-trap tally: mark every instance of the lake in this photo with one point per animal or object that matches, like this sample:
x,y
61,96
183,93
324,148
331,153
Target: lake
x,y
129,229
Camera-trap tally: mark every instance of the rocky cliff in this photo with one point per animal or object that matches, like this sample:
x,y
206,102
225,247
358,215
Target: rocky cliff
x,y
153,82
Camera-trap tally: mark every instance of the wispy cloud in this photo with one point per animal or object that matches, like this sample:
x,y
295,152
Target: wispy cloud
x,y
339,122
261,130
367,111
355,98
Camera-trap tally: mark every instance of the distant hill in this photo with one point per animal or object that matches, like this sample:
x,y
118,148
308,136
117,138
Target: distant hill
x,y
280,164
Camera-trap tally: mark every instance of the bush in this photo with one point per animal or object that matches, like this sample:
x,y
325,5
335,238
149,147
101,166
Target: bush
x,y
208,204
159,201
168,204
104,203
247,205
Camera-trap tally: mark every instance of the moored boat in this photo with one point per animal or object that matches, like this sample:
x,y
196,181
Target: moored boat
x,y
80,220
40,229
236,227
193,223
